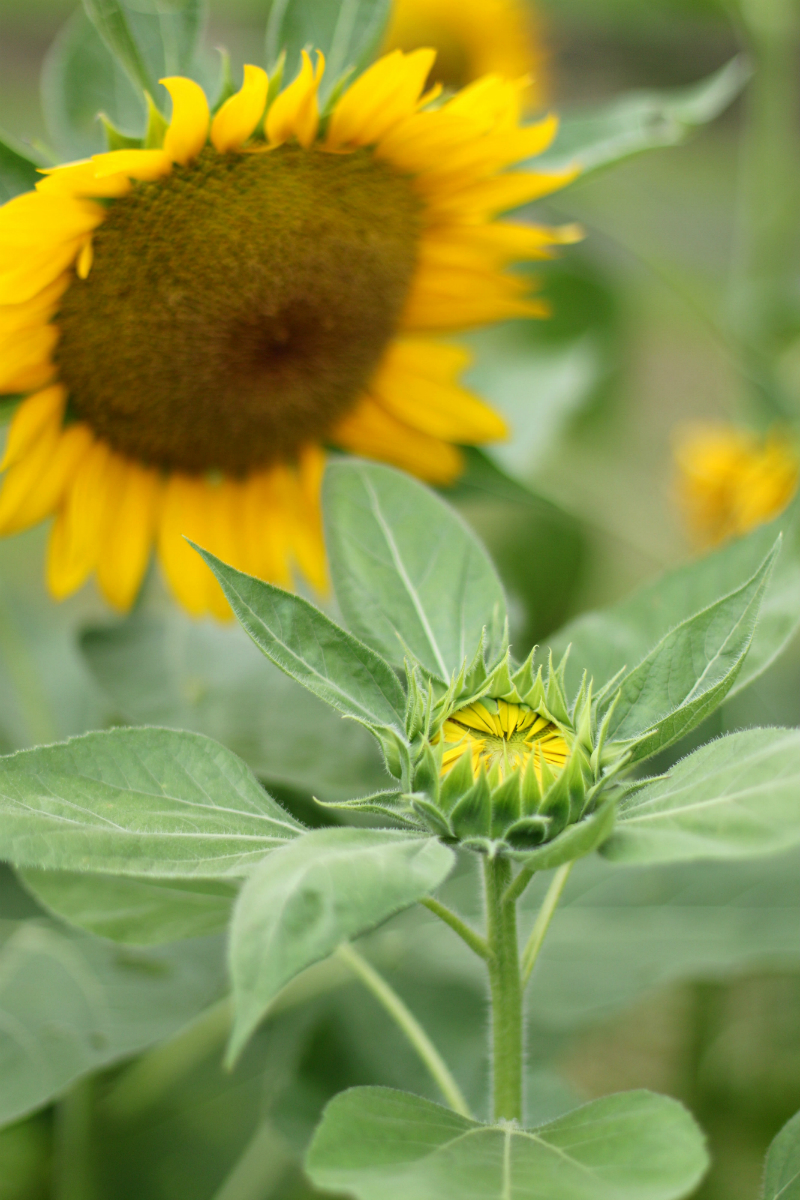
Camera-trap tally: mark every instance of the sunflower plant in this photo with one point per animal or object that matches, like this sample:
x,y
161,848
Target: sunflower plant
x,y
508,764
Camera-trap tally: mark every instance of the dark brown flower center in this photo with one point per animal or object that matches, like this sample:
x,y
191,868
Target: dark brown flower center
x,y
237,308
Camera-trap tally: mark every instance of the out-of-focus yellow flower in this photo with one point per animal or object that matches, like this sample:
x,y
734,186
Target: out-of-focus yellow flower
x,y
475,38
194,323
730,480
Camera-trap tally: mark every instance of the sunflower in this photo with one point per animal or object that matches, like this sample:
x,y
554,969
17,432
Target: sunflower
x,y
730,480
503,737
474,38
193,322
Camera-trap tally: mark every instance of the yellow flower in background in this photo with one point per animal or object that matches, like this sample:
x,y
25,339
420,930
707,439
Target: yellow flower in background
x,y
730,480
474,38
503,737
194,323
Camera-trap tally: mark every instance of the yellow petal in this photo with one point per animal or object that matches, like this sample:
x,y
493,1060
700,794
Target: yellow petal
x,y
308,542
85,260
372,431
499,194
450,299
186,513
265,528
31,419
27,355
387,92
33,220
239,116
34,312
128,538
295,112
144,165
441,409
33,487
22,281
88,504
188,130
81,179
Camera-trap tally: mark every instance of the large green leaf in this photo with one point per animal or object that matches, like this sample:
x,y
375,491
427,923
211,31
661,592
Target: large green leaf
x,y
691,670
606,641
327,888
71,1005
312,649
147,802
149,38
782,1171
18,173
735,797
348,32
166,669
642,121
139,912
81,78
408,573
383,1145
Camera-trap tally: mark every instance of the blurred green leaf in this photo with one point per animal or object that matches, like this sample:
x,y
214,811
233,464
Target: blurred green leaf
x,y
735,797
408,573
18,173
137,802
380,1144
348,32
80,79
139,912
642,121
312,649
782,1171
24,1152
327,888
166,669
691,670
149,38
70,1005
606,641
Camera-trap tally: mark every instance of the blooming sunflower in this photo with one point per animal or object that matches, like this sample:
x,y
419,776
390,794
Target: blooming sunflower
x,y
193,322
730,480
474,38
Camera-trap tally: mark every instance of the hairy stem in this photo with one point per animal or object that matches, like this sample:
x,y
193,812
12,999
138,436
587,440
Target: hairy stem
x,y
542,923
506,991
473,939
409,1024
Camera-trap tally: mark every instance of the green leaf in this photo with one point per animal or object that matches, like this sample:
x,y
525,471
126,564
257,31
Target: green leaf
x,y
18,173
80,79
166,669
691,670
142,802
71,1005
312,649
606,641
349,32
642,121
149,38
139,912
327,888
782,1171
408,573
383,1145
735,797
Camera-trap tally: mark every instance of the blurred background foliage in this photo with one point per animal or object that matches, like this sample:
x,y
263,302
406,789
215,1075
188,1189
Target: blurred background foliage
x,y
682,303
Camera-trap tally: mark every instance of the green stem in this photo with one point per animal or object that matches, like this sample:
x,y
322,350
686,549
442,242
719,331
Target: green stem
x,y
154,1074
506,991
519,885
72,1157
542,923
409,1024
265,1161
473,939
